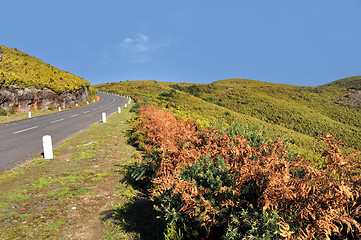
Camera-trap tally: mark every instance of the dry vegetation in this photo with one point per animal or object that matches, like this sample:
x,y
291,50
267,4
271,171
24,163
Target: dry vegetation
x,y
212,185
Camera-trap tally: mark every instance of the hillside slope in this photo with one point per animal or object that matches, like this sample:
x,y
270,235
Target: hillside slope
x,y
28,83
306,110
21,69
347,83
300,114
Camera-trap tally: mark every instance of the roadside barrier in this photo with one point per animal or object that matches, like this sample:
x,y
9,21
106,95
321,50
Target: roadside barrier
x,y
48,147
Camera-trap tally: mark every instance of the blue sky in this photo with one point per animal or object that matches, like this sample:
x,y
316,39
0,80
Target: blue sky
x,y
307,43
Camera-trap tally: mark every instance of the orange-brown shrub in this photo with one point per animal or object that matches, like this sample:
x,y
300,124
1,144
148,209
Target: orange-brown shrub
x,y
312,203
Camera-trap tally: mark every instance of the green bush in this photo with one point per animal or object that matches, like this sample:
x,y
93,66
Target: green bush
x,y
3,112
171,233
255,135
233,223
176,86
136,106
209,177
92,92
250,224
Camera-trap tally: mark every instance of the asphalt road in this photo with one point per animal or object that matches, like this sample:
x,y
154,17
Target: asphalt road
x,y
21,140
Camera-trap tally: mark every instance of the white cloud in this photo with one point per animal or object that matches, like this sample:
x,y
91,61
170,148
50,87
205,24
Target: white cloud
x,y
139,47
139,39
128,40
135,44
142,38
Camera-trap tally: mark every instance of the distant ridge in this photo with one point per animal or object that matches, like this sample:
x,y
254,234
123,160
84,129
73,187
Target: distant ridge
x,y
301,114
348,83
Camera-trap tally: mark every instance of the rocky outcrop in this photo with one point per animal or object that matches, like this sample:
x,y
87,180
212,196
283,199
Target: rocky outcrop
x,y
351,99
24,99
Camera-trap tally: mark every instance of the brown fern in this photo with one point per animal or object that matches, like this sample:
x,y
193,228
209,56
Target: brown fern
x,y
325,202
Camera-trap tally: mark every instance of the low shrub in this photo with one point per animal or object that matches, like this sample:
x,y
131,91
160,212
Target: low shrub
x,y
3,112
12,110
208,178
251,224
239,184
136,106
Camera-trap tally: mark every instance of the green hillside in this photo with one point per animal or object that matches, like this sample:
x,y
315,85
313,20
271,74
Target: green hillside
x,y
21,69
348,83
237,180
305,110
298,114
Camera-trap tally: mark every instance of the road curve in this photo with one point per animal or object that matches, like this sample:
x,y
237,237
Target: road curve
x,y
21,140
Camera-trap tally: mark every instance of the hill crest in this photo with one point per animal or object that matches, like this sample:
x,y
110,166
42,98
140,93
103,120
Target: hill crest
x,y
347,83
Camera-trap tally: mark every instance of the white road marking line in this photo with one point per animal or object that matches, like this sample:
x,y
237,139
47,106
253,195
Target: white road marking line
x,y
57,120
86,111
25,129
74,115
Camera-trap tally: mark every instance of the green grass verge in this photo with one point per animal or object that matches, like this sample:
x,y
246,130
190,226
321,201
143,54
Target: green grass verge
x,y
24,115
80,194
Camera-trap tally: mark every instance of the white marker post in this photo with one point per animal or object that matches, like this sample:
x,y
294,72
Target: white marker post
x,y
125,105
48,147
59,108
104,117
87,102
29,114
119,110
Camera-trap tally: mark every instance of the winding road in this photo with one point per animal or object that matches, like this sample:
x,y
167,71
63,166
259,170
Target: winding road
x,y
21,140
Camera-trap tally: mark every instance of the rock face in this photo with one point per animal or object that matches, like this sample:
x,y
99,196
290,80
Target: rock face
x,y
352,99
24,99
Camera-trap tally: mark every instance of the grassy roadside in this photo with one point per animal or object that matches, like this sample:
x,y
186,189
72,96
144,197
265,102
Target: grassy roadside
x,y
24,115
80,194
34,113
